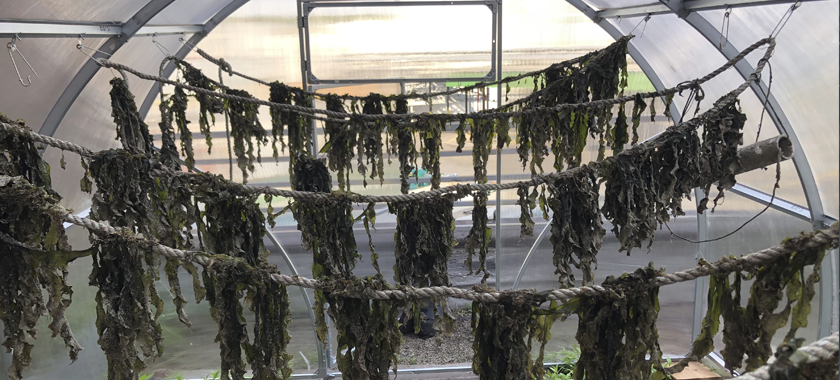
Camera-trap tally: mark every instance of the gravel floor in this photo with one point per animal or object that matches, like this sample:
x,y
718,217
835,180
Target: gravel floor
x,y
440,349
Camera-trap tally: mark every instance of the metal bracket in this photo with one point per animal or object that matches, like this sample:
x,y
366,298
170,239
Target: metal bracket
x,y
491,75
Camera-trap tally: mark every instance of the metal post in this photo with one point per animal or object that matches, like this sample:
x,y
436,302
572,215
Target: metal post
x,y
498,59
314,138
430,98
702,283
302,23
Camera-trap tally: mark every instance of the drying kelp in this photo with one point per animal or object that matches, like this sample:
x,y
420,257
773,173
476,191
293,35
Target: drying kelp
x,y
300,126
227,282
21,157
131,129
502,344
424,241
173,205
401,142
645,188
527,202
482,132
179,115
168,150
125,274
127,305
602,76
208,105
617,330
246,130
368,330
34,261
369,144
430,134
234,226
722,134
279,93
576,231
339,146
748,331
326,226
159,206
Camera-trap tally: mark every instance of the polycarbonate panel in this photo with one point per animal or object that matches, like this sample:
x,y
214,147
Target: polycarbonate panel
x,y
805,79
188,12
678,53
344,36
75,11
767,230
89,122
55,60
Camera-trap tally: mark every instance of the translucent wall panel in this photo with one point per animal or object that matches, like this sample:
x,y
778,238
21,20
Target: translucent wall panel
x,y
805,78
89,122
56,61
79,10
677,53
387,42
185,12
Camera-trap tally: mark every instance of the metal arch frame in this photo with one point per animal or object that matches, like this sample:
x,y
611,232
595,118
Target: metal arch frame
x,y
196,38
90,68
800,161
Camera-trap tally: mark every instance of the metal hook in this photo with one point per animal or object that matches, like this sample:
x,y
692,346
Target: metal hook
x,y
12,47
724,35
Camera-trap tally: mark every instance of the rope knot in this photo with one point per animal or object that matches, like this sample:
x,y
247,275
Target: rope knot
x,y
225,66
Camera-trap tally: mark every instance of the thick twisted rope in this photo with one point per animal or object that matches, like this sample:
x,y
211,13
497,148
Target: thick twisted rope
x,y
821,238
460,189
343,116
226,67
821,350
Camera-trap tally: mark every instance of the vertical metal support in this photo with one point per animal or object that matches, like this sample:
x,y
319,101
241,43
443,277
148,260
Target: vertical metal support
x,y
701,283
430,98
498,59
302,23
313,146
447,101
322,359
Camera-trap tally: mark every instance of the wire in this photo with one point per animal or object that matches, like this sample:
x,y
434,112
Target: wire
x,y
644,20
785,17
766,102
772,198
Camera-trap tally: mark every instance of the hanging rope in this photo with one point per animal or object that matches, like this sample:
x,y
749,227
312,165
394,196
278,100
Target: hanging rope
x,y
227,68
821,238
342,116
824,349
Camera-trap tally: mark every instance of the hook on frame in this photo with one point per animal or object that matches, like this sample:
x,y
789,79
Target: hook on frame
x,y
12,47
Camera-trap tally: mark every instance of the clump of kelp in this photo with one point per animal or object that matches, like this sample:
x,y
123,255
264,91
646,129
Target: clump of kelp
x,y
780,295
35,251
368,333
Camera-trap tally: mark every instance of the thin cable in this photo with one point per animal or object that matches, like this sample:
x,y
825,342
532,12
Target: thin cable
x,y
766,101
644,20
785,18
772,198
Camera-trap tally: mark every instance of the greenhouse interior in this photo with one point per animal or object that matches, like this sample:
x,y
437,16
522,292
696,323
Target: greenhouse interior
x,y
419,189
